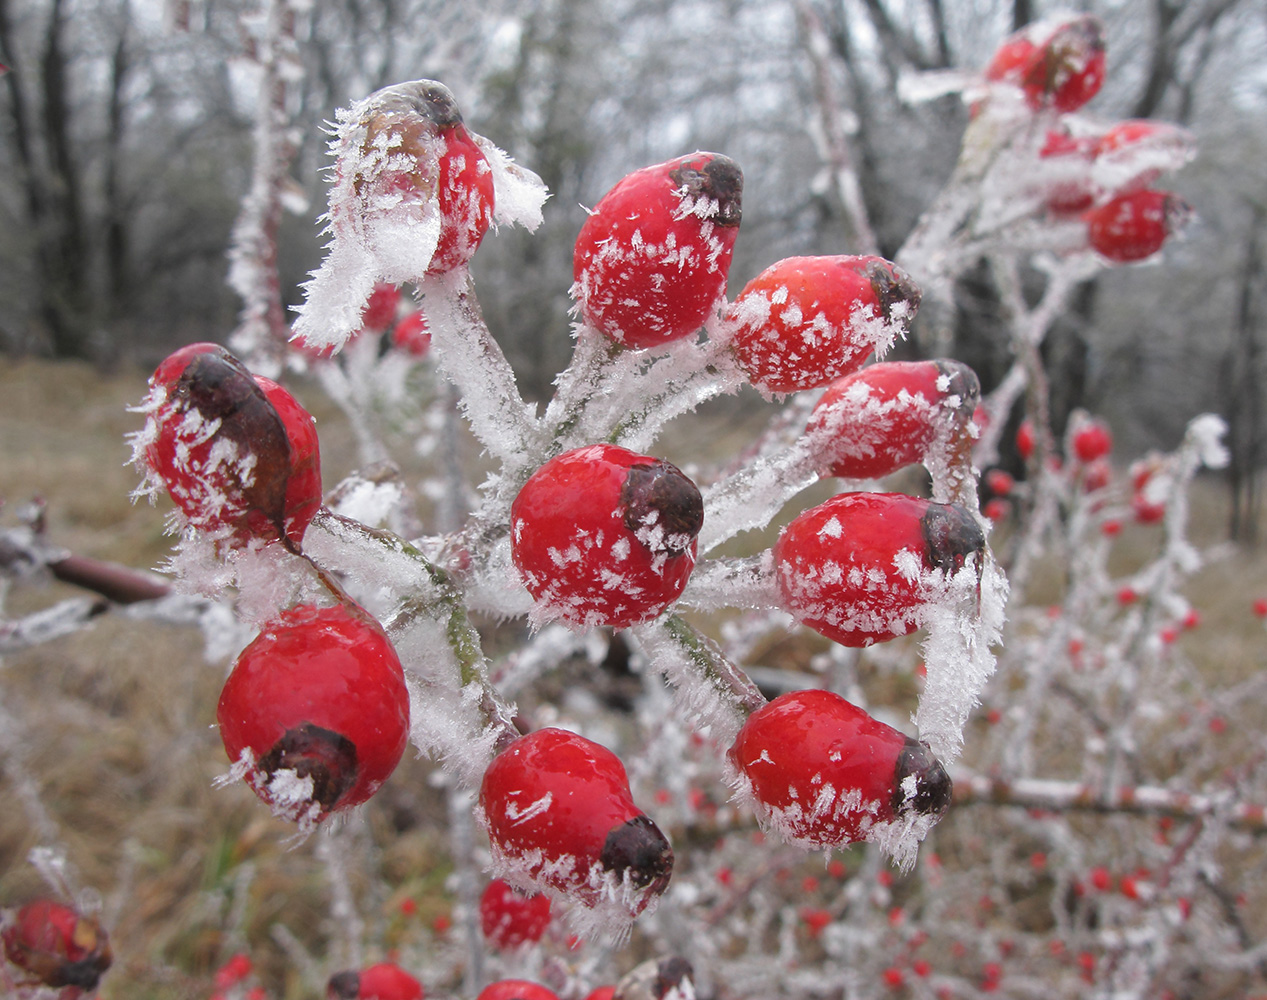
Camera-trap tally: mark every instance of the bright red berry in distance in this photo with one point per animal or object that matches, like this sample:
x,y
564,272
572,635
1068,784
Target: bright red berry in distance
x,y
233,971
424,156
604,536
1134,225
510,918
1000,482
515,989
805,321
317,710
234,452
891,414
57,946
412,335
1060,68
385,981
650,263
560,815
859,567
1091,440
823,773
1025,439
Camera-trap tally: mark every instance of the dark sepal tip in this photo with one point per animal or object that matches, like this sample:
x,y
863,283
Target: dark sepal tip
x,y
327,757
661,489
933,787
344,985
638,847
951,535
719,179
962,381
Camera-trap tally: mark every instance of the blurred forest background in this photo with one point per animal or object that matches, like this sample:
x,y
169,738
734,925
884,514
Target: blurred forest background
x,y
125,150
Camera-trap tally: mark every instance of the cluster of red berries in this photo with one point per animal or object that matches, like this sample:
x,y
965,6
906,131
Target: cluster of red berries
x,y
386,316
1103,177
57,946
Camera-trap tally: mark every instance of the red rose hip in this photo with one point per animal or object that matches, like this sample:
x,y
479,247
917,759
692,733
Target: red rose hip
x,y
1056,66
316,710
234,451
510,918
604,536
560,816
57,946
823,773
1136,224
890,414
385,981
651,260
805,321
859,568
516,989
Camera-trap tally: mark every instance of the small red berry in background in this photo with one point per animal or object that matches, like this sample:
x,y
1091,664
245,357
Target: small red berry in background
x,y
510,918
234,451
890,414
1134,225
515,989
1091,440
417,150
1060,67
1111,528
233,971
894,978
385,981
380,311
560,815
1025,439
412,335
1127,595
60,947
316,708
823,773
859,567
651,261
816,919
996,509
999,482
805,321
1101,879
604,536
601,993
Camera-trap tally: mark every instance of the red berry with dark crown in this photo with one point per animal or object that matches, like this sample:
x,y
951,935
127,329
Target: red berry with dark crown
x,y
822,773
560,816
1060,66
234,451
860,567
425,155
385,981
806,321
58,946
510,918
317,710
651,260
1136,224
604,536
891,414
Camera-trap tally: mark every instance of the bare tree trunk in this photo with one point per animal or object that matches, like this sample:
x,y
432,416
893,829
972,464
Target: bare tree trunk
x,y
1243,380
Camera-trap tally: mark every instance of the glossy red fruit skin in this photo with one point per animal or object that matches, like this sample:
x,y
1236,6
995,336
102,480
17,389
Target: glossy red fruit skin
x,y
1061,68
412,335
510,918
889,414
823,773
1135,225
515,989
430,155
57,946
650,263
857,568
806,321
559,815
235,452
320,693
604,536
1025,439
385,981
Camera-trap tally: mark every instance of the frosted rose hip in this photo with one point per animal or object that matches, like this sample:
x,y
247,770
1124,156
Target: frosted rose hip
x,y
559,815
58,946
823,773
805,321
651,260
604,536
858,568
